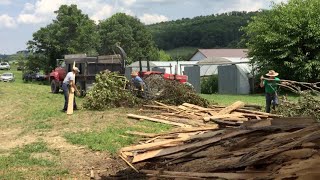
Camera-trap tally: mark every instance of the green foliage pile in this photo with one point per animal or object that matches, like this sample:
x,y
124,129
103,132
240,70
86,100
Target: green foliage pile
x,y
209,85
287,36
308,104
176,93
109,92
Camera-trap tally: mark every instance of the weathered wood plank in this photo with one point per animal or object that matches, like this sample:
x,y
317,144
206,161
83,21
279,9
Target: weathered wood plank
x,y
240,175
162,152
156,120
232,107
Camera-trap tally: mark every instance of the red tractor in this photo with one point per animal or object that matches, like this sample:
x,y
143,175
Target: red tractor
x,y
154,80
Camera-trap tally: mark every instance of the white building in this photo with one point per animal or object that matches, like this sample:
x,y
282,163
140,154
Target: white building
x,y
233,64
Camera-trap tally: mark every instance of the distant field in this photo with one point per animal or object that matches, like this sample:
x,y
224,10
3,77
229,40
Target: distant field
x,y
182,52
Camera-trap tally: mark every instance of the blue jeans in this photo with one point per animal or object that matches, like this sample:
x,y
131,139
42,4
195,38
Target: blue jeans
x,y
271,98
65,88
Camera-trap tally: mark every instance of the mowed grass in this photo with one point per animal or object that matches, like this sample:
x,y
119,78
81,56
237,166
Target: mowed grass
x,y
256,99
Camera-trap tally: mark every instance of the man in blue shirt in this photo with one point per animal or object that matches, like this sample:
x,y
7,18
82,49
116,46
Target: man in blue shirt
x,y
138,82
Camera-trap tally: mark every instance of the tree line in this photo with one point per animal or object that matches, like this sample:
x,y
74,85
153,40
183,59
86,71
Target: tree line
x,y
213,31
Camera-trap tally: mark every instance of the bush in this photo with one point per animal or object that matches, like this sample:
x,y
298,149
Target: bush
x,y
209,85
307,105
109,92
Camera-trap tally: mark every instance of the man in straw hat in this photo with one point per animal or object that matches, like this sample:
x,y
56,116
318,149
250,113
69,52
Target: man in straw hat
x,y
68,81
138,82
271,87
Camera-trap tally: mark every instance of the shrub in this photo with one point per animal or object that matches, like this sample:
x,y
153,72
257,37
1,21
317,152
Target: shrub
x,y
308,104
209,85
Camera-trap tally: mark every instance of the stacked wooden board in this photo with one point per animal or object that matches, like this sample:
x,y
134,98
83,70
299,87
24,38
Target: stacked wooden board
x,y
189,115
258,147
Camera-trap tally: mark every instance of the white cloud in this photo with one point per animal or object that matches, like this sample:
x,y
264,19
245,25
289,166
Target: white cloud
x,y
153,18
5,2
28,7
42,11
30,19
243,5
104,12
7,21
129,2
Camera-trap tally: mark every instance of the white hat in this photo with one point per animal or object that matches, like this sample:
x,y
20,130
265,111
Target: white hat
x,y
76,69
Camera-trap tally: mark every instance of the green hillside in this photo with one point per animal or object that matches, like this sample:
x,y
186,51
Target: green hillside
x,y
213,31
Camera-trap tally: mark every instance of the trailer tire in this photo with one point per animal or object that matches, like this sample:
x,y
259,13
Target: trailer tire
x,y
54,86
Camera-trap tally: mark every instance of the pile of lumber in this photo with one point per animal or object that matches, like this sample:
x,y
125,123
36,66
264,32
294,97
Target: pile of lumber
x,y
280,148
260,147
190,115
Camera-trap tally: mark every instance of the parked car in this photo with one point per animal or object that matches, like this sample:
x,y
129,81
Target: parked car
x,y
7,77
20,68
33,76
4,66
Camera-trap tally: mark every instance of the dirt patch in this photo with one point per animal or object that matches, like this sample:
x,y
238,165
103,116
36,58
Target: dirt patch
x,y
78,160
9,138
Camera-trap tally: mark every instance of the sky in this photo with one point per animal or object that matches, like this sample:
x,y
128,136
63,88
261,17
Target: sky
x,y
19,19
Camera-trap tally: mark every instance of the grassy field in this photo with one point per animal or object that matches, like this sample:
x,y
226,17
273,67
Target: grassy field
x,y
38,141
182,52
257,99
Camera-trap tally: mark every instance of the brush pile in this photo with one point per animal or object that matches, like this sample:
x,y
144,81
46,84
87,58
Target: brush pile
x,y
109,92
308,104
176,93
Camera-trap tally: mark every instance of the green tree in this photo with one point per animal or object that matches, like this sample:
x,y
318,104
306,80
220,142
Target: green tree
x,y
130,33
287,39
163,56
71,32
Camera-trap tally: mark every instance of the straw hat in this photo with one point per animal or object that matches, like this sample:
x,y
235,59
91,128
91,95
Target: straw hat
x,y
272,73
134,73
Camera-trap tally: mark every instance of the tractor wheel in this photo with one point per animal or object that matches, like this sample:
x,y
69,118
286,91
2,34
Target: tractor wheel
x,y
154,85
54,86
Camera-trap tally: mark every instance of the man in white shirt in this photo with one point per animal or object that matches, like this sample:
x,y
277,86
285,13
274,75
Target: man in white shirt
x,y
68,81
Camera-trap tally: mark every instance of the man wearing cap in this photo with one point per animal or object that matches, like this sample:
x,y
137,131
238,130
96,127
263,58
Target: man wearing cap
x,y
271,87
68,81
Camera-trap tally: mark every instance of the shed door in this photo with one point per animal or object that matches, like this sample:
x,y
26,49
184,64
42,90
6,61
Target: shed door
x,y
227,77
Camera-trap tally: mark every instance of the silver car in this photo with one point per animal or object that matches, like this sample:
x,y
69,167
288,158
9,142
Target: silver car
x,y
7,77
4,66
